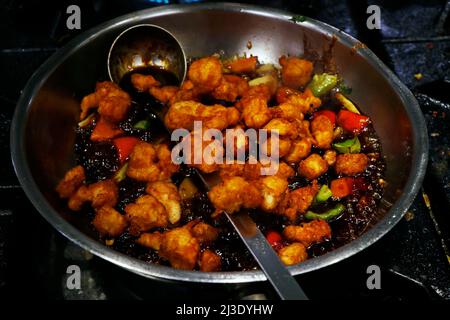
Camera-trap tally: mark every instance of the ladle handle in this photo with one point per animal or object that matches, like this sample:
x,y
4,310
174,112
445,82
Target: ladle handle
x,y
279,276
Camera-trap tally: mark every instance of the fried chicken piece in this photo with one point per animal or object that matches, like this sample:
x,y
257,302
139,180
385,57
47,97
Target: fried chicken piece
x,y
182,114
272,190
166,193
72,180
142,165
298,201
165,163
164,94
293,254
150,240
288,111
284,170
202,154
323,131
79,198
237,140
230,88
109,222
351,164
105,130
151,163
102,193
253,171
227,170
209,261
206,73
234,193
330,157
187,92
243,65
255,111
304,101
299,150
113,103
145,213
204,232
143,82
262,91
271,144
308,233
313,167
285,127
180,247
114,108
295,72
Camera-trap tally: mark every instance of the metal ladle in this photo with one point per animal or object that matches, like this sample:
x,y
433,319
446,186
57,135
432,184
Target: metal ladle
x,y
147,45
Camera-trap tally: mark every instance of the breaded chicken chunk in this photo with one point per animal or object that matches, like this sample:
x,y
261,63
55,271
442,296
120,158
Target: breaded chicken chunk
x,y
204,232
299,150
180,247
182,114
102,193
313,167
209,261
233,194
150,240
298,201
285,128
206,73
351,164
109,222
202,154
143,163
151,163
308,233
322,130
273,189
166,193
230,88
255,111
270,145
288,111
112,101
72,180
163,94
143,82
330,157
295,72
293,253
145,213
304,101
165,163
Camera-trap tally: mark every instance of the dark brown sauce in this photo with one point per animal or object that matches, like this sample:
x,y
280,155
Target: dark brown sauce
x,y
100,161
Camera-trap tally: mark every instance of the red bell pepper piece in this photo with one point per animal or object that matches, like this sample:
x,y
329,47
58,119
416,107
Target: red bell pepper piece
x,y
342,187
274,238
125,146
351,121
327,113
104,130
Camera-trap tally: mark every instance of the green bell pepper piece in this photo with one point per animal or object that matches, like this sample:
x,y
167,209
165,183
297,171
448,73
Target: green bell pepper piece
x,y
348,146
323,195
327,215
321,84
143,124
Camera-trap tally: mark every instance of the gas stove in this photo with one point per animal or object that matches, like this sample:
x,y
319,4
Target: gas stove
x,y
414,259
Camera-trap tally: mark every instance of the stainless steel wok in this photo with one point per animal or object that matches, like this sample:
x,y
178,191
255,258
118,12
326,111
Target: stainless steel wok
x,y
43,129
